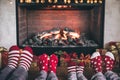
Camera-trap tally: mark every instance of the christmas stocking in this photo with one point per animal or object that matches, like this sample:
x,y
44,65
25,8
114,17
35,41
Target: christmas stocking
x,y
43,66
26,58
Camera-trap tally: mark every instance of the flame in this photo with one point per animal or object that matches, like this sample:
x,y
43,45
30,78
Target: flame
x,y
61,34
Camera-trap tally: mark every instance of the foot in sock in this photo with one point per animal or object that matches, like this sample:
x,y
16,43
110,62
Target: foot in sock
x,y
52,67
13,58
71,67
79,70
26,58
96,62
43,66
53,63
109,61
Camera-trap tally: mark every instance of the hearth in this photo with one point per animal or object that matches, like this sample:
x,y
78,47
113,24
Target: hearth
x,y
72,25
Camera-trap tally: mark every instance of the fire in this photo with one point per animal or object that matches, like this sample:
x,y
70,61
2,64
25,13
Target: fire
x,y
60,34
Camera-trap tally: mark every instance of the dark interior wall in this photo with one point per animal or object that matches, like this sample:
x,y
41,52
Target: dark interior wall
x,y
22,29
40,20
96,28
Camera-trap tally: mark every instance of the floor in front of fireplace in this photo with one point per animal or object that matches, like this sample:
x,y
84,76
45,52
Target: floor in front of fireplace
x,y
62,73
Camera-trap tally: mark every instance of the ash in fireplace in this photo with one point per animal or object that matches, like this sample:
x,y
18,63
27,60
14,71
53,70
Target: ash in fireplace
x,y
59,37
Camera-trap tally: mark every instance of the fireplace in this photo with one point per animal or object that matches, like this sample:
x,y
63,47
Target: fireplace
x,y
75,26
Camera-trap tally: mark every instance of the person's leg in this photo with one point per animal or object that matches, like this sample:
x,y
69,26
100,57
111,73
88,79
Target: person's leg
x,y
71,67
52,67
43,66
96,62
21,73
80,69
109,62
13,57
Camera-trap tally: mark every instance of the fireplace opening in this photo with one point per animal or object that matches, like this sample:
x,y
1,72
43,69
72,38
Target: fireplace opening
x,y
71,28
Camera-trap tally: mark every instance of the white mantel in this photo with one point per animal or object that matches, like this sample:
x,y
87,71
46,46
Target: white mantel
x,y
8,22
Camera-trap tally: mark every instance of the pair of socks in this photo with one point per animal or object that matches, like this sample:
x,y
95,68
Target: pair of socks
x,y
47,65
20,58
75,72
96,61
18,64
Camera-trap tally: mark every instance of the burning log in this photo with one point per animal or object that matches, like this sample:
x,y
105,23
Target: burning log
x,y
59,37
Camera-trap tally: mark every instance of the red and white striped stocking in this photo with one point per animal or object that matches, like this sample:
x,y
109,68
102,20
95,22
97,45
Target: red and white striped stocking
x,y
13,56
26,58
53,63
96,62
109,61
43,62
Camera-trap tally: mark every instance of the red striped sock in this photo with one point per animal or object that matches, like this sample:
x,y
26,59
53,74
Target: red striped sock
x,y
80,67
71,66
13,56
26,58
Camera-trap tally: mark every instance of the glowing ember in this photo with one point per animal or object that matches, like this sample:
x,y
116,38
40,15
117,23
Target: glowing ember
x,y
60,34
59,37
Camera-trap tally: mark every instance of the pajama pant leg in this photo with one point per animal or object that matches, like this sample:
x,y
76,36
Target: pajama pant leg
x,y
98,76
5,73
42,75
52,76
19,74
72,76
111,76
80,76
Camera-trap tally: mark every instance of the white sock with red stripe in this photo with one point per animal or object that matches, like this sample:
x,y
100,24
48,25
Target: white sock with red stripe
x,y
53,63
43,62
26,58
13,56
80,67
96,62
71,66
109,61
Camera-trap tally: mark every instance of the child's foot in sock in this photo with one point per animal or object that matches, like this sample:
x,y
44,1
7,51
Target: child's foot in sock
x,y
109,61
26,58
96,62
43,66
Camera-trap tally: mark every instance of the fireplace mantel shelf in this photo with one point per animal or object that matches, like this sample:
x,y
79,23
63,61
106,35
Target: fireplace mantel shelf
x,y
40,5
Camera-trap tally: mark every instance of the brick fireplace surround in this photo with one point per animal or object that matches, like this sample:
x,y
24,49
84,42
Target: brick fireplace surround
x,y
82,19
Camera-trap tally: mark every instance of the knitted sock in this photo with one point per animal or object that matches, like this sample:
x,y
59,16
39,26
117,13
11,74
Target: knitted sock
x,y
26,58
43,62
53,63
109,61
13,56
96,62
80,67
71,66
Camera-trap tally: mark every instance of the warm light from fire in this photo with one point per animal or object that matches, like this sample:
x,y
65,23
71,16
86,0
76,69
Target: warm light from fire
x,y
61,34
